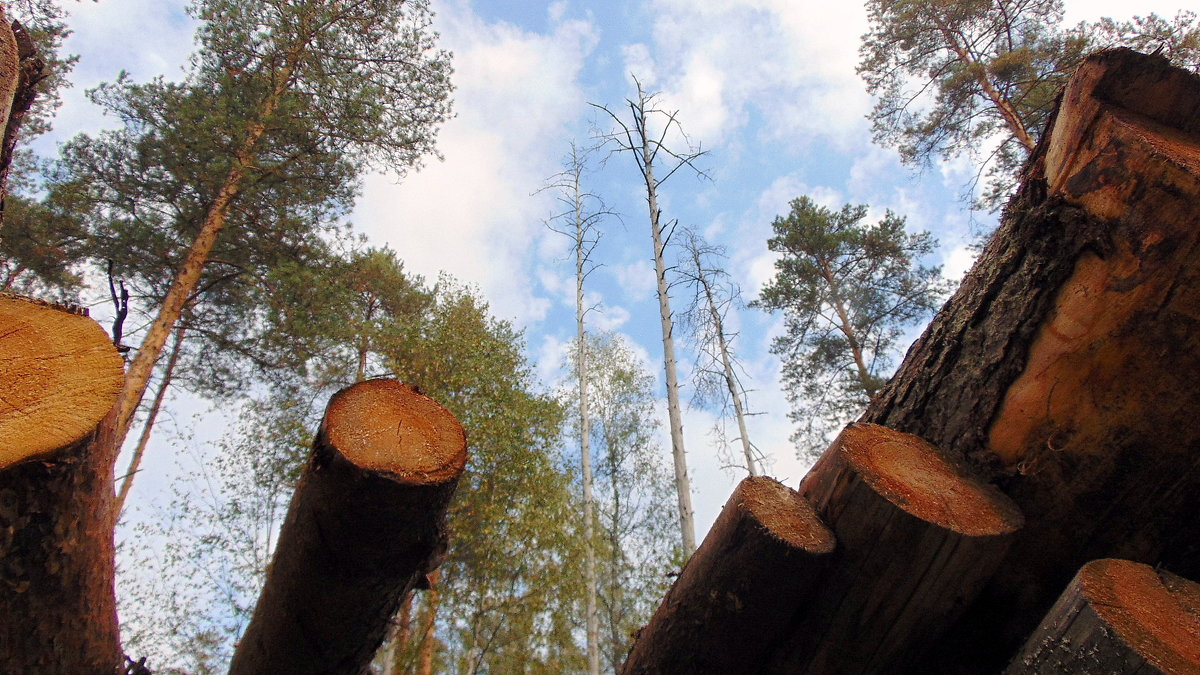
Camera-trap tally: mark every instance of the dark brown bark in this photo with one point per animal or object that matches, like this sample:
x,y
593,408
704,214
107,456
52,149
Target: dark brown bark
x,y
917,538
367,523
61,376
1065,365
16,94
1117,617
736,595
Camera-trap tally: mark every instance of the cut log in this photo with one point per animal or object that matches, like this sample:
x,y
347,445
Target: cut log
x,y
1066,363
737,593
61,376
366,524
1118,617
917,538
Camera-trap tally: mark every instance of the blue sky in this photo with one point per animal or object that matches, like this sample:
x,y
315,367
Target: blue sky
x,y
766,86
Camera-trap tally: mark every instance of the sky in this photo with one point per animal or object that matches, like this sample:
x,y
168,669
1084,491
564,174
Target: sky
x,y
767,88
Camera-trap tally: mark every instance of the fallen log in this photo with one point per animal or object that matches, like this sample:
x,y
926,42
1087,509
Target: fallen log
x,y
737,593
61,377
1117,617
917,538
1065,365
365,526
16,94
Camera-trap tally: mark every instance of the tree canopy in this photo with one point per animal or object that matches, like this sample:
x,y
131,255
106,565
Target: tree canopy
x,y
979,77
847,290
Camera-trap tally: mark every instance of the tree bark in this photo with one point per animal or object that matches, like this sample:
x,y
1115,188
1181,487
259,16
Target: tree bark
x,y
62,376
428,625
683,484
160,395
1065,364
18,89
917,536
1117,617
366,524
736,595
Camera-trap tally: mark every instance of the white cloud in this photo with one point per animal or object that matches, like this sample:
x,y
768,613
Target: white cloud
x,y
957,261
759,50
472,215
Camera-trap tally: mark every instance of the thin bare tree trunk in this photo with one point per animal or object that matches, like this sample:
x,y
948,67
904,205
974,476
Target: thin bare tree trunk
x,y
731,382
135,462
683,485
397,661
428,623
585,448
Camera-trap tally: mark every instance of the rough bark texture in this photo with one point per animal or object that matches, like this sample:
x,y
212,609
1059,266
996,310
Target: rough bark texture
x,y
365,526
16,98
1065,365
1118,617
61,376
917,538
736,595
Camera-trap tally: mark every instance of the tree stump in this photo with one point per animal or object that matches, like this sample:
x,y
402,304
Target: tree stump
x,y
737,593
61,377
917,536
1118,617
366,524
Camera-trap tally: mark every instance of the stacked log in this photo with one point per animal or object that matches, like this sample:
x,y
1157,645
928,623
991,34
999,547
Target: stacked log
x,y
734,600
1121,618
1065,365
61,378
918,536
365,526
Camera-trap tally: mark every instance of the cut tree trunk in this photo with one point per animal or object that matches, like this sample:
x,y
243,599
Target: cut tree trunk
x,y
366,525
16,97
736,595
1066,363
917,538
61,378
1118,617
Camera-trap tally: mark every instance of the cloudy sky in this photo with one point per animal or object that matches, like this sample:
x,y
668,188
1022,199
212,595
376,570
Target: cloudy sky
x,y
766,87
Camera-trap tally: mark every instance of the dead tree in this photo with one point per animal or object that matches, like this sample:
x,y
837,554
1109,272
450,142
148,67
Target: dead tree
x,y
647,145
62,376
365,527
1117,617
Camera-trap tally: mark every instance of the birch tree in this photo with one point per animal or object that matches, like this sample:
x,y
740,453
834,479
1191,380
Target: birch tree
x,y
716,373
579,221
648,135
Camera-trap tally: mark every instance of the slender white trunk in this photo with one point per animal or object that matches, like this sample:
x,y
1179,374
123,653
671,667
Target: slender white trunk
x,y
585,441
687,525
735,393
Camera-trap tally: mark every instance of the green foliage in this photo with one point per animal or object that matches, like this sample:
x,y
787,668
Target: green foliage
x,y
636,546
511,568
847,290
979,77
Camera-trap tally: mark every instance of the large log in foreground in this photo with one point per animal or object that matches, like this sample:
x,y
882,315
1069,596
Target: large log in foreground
x,y
365,526
917,538
1066,364
61,376
737,593
1120,618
